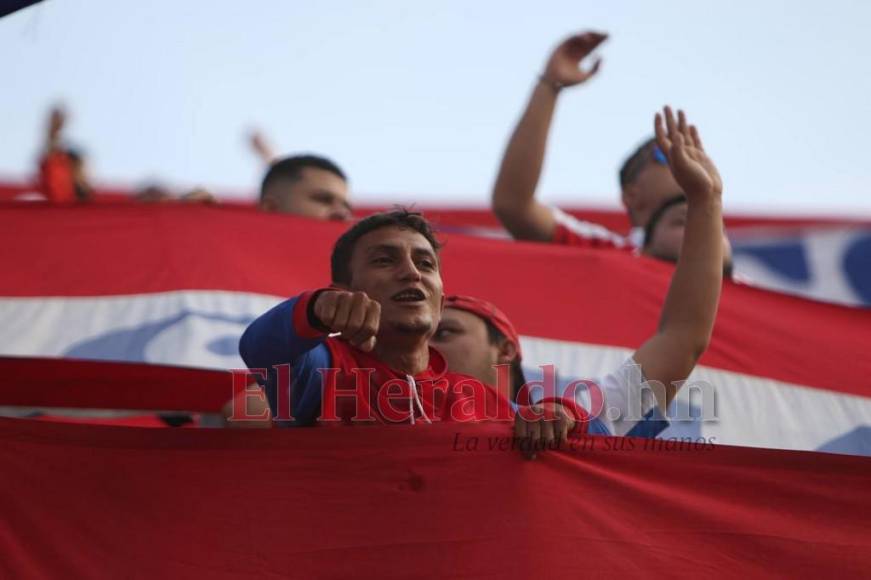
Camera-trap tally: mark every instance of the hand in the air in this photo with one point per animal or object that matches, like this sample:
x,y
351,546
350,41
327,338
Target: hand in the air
x,y
261,146
353,314
692,168
57,118
564,65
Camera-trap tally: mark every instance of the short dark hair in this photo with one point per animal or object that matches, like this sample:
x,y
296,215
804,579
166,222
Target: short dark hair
x,y
290,168
631,168
495,337
340,261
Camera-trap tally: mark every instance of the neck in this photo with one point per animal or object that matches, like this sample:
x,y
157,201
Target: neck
x,y
409,355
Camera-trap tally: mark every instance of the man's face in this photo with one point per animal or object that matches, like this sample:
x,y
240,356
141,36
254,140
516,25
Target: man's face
x,y
398,268
317,194
463,339
667,236
654,186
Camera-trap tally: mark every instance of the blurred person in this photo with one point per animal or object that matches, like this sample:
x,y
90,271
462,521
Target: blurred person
x,y
156,193
198,195
153,193
646,183
306,185
62,172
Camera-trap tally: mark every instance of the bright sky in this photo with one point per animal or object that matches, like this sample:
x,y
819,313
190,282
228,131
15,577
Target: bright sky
x,y
416,99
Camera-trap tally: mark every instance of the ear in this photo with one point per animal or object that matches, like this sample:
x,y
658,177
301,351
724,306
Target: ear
x,y
507,352
267,203
629,197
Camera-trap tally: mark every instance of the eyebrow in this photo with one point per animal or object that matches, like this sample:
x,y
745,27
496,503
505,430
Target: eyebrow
x,y
394,249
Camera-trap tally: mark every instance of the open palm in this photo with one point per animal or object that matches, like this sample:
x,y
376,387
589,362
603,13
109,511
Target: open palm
x,y
564,65
682,146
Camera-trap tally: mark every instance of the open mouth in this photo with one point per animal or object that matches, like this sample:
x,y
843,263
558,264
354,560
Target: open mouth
x,y
409,295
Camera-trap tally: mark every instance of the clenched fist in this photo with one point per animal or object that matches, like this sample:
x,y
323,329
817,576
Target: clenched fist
x,y
353,314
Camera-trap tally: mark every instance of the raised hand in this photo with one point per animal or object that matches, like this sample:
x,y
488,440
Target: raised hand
x,y
692,168
353,314
261,147
564,65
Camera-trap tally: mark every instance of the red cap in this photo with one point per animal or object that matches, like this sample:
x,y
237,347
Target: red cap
x,y
488,312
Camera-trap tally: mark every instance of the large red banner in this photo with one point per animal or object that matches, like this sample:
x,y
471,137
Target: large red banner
x,y
85,501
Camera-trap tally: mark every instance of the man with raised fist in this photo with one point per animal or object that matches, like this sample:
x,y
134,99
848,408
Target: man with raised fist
x,y
358,351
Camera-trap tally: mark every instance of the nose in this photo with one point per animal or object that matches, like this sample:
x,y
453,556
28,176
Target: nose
x,y
340,212
408,270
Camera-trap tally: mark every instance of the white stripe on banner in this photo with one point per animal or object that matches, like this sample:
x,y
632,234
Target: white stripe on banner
x,y
730,408
202,328
187,328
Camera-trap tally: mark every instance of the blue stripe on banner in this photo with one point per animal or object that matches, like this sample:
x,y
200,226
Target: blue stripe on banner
x,y
650,426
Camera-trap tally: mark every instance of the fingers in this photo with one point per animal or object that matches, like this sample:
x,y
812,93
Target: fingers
x,y
353,314
697,141
541,430
682,123
547,435
683,128
524,432
368,345
672,144
325,307
662,140
562,428
670,123
342,312
587,41
363,337
595,68
520,431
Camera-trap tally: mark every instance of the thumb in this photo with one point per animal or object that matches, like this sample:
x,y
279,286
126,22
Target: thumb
x,y
368,344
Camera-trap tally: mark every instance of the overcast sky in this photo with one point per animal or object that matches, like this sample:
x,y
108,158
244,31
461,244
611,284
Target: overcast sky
x,y
416,99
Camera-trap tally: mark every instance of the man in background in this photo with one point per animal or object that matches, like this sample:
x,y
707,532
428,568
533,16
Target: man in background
x,y
307,185
648,188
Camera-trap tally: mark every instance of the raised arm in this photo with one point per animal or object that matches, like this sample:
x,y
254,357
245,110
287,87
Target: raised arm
x,y
294,332
514,200
281,335
690,308
261,147
56,120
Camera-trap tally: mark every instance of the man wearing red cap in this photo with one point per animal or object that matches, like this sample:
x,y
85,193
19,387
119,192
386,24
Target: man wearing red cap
x,y
479,340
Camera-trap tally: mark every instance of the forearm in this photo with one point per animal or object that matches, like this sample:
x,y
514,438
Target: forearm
x,y
691,304
514,191
279,336
52,141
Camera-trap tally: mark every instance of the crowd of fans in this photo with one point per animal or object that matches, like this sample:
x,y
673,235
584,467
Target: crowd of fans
x,y
385,309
